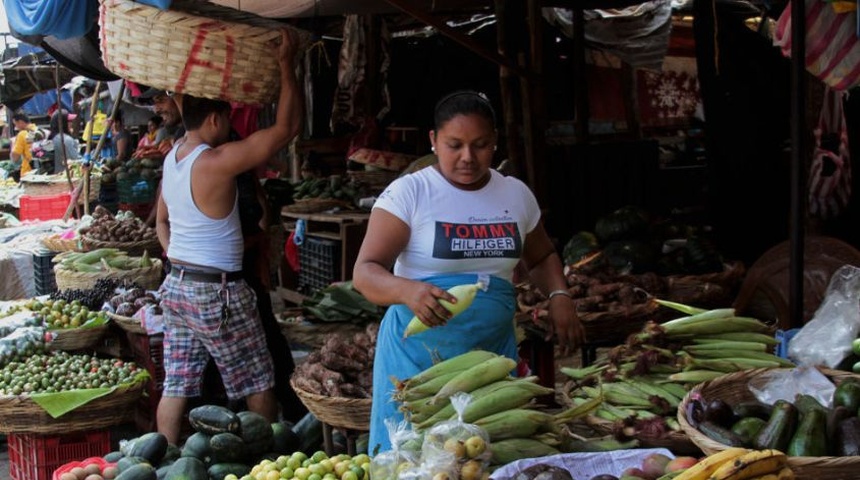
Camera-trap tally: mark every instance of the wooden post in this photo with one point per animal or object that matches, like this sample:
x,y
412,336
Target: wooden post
x,y
506,87
580,83
61,126
536,113
94,107
631,100
798,163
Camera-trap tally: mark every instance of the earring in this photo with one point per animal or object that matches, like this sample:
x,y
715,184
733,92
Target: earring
x,y
495,147
433,149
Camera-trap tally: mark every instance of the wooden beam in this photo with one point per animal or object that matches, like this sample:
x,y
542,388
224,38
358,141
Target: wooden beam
x,y
409,8
536,113
580,83
507,89
798,163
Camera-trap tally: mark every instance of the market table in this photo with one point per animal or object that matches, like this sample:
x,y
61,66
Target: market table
x,y
19,245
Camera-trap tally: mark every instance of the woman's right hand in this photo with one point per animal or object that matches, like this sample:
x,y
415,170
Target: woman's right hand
x,y
423,299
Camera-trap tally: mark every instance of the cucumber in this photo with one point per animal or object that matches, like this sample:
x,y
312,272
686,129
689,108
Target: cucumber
x,y
747,428
779,429
810,439
847,394
752,409
720,434
834,417
214,419
805,403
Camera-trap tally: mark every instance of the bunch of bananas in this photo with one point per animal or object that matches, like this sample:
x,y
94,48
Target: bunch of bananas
x,y
503,406
644,380
740,464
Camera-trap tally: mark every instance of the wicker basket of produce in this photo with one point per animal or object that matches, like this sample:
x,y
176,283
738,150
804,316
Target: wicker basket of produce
x,y
130,325
56,244
81,338
733,389
678,442
198,48
98,393
315,334
152,246
41,185
148,277
341,412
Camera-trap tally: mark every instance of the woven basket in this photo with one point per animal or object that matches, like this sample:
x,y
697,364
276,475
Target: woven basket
x,y
56,244
338,412
197,48
148,278
677,442
375,179
71,339
316,205
617,325
20,414
151,246
130,325
733,387
315,334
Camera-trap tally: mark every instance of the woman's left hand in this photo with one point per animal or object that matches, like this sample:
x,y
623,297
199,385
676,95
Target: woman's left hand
x,y
565,323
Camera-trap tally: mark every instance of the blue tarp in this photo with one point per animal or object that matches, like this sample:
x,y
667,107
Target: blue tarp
x,y
162,4
60,18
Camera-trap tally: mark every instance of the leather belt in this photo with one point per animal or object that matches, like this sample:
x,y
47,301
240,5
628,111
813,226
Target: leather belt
x,y
225,277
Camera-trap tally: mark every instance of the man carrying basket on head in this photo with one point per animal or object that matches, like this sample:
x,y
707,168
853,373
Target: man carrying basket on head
x,y
208,307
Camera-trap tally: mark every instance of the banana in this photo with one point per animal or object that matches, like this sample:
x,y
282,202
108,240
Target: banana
x,y
769,476
705,468
751,464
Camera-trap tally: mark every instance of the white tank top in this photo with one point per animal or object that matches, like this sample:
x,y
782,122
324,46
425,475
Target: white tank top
x,y
194,237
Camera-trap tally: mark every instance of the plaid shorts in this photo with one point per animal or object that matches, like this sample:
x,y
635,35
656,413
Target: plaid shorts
x,y
194,331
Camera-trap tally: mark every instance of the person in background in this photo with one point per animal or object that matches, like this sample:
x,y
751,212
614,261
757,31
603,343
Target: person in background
x,y
120,139
22,154
455,222
209,309
171,129
66,147
153,125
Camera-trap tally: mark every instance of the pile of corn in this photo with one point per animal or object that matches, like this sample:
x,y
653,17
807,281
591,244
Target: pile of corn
x,y
502,405
101,260
643,381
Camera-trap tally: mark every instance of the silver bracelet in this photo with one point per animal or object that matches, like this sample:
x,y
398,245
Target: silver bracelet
x,y
565,293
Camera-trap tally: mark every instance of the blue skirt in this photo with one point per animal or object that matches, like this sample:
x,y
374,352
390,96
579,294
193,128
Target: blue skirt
x,y
488,324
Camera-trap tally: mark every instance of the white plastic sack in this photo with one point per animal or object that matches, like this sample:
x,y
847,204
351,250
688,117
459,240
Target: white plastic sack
x,y
826,339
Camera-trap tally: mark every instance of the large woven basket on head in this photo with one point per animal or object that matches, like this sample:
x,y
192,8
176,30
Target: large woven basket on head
x,y
733,388
338,412
148,278
20,414
198,48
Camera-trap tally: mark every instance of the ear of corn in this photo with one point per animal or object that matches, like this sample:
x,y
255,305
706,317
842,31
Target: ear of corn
x,y
507,451
727,345
498,401
737,336
426,389
695,376
736,354
454,364
730,365
704,316
725,325
515,423
465,295
687,309
484,373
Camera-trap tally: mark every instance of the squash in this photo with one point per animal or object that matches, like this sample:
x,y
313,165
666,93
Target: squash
x,y
580,245
214,419
256,433
630,256
140,471
227,448
701,256
151,446
188,468
221,470
197,446
628,222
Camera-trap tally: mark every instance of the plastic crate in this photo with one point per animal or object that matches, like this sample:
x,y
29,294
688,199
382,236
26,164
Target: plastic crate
x,y
148,352
319,264
35,457
43,269
43,207
137,190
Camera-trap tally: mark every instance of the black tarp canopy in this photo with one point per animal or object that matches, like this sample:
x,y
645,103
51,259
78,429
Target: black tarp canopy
x,y
24,76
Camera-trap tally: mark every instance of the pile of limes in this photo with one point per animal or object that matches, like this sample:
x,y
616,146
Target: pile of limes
x,y
318,466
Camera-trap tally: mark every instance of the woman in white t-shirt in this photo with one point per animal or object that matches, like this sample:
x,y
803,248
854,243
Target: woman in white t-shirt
x,y
453,223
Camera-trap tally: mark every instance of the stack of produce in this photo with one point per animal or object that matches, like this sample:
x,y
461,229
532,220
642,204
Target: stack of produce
x,y
300,466
59,313
61,371
91,298
92,469
802,428
502,406
740,464
654,466
128,302
124,227
223,443
101,260
343,367
644,380
336,188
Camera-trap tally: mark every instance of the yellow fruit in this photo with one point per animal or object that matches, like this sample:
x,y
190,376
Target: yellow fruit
x,y
475,446
361,459
315,476
471,470
294,462
341,467
350,475
273,475
327,465
302,473
317,469
287,473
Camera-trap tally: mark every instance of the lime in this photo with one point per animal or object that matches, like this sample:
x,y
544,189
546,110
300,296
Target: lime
x,y
287,473
294,463
319,456
350,475
302,473
314,476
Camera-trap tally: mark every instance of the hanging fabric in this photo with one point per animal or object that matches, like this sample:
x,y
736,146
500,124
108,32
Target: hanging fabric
x,y
832,46
59,18
830,174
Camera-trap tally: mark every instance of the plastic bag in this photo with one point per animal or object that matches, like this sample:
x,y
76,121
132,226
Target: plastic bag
x,y
22,343
781,384
390,464
826,339
466,445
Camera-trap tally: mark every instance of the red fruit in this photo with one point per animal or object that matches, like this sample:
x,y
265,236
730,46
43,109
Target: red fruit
x,y
633,472
654,465
680,463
